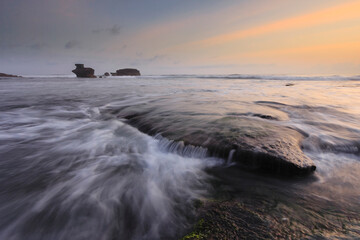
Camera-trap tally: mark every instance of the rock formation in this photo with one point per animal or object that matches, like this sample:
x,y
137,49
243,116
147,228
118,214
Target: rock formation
x,y
82,72
126,72
106,74
8,75
253,144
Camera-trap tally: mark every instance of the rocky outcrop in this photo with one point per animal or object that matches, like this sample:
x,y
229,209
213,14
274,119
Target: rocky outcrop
x,y
254,144
83,72
8,75
106,74
126,72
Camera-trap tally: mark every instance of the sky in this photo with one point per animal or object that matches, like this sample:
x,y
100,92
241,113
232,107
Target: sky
x,y
317,37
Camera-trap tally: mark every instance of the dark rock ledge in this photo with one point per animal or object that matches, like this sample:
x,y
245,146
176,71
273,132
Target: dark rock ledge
x,y
8,75
126,72
253,144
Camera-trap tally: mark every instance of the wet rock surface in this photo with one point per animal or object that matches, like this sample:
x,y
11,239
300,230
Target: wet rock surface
x,y
254,143
234,219
240,210
230,220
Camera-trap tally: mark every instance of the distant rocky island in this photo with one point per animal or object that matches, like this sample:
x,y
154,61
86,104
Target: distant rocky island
x,y
86,72
83,72
8,75
126,72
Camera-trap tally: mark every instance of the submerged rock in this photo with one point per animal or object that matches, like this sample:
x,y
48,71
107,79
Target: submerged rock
x,y
264,219
82,72
8,75
127,72
228,220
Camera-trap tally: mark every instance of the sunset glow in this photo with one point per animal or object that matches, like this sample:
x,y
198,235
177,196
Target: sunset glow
x,y
229,37
191,120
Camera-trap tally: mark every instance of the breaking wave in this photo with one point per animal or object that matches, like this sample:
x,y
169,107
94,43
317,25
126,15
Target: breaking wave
x,y
77,176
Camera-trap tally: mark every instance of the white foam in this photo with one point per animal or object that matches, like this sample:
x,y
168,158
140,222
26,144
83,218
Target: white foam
x,y
107,164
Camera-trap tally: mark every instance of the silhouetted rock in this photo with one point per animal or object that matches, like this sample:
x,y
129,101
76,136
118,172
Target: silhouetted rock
x,y
8,75
127,72
82,72
106,74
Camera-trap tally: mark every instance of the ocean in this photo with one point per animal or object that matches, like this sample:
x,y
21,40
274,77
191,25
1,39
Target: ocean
x,y
149,157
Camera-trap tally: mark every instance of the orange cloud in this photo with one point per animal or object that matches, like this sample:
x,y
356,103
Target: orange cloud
x,y
329,53
337,13
185,28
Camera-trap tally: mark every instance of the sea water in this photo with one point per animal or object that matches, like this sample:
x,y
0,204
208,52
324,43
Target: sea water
x,y
72,168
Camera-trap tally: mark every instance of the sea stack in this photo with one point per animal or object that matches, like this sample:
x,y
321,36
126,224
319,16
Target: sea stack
x,y
83,72
127,72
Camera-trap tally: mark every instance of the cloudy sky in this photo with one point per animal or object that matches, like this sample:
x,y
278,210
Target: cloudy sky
x,y
181,36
